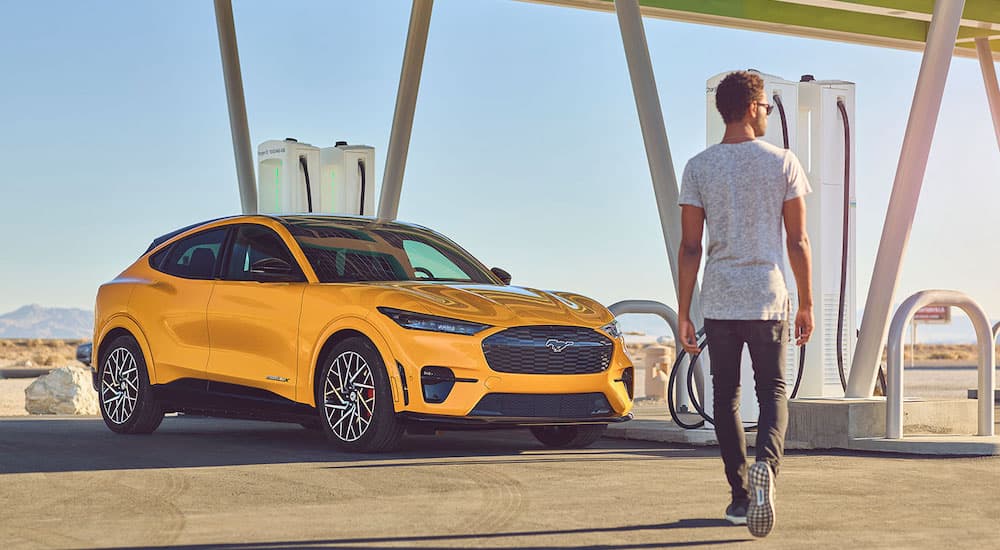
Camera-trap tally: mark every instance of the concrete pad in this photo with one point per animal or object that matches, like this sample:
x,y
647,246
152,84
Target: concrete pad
x,y
939,445
663,431
835,423
822,423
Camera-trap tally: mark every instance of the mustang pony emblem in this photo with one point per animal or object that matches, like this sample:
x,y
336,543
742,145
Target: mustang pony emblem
x,y
557,345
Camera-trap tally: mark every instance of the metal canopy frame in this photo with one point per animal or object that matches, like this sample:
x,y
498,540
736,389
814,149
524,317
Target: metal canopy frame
x,y
940,29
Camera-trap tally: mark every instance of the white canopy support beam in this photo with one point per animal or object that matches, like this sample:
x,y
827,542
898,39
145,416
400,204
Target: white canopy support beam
x,y
990,79
654,136
237,105
905,195
406,103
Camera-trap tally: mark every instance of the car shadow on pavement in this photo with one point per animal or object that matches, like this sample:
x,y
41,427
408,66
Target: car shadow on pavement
x,y
67,444
477,540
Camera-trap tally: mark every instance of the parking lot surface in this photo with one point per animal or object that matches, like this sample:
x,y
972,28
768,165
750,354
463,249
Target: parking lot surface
x,y
69,482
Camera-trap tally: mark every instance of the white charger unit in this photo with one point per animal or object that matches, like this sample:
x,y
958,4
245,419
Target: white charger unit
x,y
347,180
784,95
821,149
815,133
286,173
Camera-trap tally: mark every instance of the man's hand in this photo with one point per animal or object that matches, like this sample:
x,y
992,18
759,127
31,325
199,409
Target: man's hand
x,y
803,326
689,337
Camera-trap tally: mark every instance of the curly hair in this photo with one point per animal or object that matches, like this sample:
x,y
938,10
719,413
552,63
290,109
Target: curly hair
x,y
735,93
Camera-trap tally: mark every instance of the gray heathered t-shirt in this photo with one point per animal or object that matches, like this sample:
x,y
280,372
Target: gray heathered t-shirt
x,y
742,187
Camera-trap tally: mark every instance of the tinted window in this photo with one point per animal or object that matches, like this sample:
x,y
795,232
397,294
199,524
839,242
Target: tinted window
x,y
341,254
156,260
430,263
254,249
194,257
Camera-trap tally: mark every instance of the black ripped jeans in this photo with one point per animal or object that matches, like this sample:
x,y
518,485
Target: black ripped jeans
x,y
766,341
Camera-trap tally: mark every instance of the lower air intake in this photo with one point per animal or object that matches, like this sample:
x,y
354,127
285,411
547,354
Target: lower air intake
x,y
571,405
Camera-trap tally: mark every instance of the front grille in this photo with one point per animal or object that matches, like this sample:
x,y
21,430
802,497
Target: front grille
x,y
520,405
548,350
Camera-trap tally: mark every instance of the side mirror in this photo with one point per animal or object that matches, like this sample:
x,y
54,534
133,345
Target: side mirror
x,y
272,270
502,275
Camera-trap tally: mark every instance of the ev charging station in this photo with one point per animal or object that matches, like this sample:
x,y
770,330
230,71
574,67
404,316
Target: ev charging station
x,y
294,177
878,24
807,120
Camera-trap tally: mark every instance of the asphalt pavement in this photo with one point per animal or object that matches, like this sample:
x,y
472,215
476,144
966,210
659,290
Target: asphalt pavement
x,y
70,483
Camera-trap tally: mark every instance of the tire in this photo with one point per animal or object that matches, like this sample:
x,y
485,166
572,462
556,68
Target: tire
x,y
569,437
354,399
124,393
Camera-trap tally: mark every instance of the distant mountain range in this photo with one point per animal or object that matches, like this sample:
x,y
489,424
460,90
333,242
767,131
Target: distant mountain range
x,y
35,321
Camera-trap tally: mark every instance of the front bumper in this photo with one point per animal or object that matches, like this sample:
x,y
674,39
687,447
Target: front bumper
x,y
431,421
475,381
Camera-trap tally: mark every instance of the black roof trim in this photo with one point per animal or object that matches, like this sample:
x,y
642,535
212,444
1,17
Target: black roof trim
x,y
366,221
164,238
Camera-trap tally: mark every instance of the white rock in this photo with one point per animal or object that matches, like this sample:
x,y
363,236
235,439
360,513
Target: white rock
x,y
66,390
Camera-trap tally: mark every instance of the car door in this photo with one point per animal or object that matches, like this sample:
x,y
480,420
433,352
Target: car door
x,y
171,308
253,314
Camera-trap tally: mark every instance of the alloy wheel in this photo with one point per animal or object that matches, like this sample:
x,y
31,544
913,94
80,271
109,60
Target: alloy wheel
x,y
120,385
349,396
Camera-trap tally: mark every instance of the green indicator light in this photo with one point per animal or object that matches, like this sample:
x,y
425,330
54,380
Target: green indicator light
x,y
277,185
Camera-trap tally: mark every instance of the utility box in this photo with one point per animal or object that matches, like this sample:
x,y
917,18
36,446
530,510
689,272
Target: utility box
x,y
347,180
286,181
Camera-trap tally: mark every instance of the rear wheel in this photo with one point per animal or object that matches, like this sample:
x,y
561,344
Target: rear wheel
x,y
124,392
354,399
569,437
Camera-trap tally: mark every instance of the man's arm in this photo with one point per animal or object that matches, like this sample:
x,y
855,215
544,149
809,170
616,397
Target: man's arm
x,y
688,263
800,256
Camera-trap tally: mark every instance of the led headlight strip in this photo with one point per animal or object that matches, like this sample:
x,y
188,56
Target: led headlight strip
x,y
613,329
432,323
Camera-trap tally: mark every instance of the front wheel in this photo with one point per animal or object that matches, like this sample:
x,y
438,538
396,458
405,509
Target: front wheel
x,y
354,399
569,437
124,392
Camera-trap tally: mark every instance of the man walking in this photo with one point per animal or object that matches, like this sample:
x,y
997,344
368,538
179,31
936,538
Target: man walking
x,y
744,189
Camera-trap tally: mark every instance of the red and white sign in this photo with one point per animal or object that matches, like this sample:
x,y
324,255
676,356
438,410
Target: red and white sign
x,y
935,315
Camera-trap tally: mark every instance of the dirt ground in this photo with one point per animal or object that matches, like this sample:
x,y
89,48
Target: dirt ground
x,y
40,353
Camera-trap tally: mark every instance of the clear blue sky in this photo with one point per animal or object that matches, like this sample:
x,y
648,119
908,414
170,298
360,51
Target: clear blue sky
x,y
526,146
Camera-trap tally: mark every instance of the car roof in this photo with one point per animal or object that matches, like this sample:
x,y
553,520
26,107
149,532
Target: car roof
x,y
354,222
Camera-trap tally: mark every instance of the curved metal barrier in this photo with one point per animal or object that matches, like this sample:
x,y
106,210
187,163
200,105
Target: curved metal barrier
x,y
663,311
987,357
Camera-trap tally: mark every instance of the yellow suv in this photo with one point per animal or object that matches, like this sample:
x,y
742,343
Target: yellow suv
x,y
361,328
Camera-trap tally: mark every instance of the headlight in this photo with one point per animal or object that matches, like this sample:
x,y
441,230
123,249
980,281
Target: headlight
x,y
613,329
421,321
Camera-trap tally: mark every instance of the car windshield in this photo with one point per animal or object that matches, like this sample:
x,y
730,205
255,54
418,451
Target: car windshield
x,y
347,253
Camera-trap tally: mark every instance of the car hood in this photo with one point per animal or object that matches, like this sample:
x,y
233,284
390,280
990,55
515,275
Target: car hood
x,y
496,305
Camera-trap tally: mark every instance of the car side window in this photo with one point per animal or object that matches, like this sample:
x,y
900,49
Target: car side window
x,y
194,257
259,254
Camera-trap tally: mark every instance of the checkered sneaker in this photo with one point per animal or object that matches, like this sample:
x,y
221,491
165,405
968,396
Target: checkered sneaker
x,y
760,514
